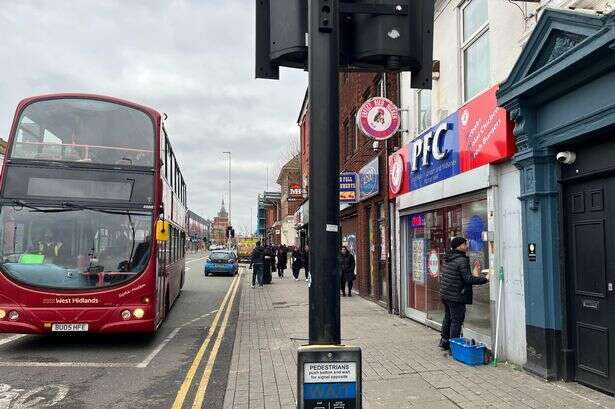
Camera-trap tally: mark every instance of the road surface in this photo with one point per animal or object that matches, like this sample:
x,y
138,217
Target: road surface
x,y
185,365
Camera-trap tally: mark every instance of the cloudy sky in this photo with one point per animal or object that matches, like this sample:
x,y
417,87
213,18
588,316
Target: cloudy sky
x,y
193,60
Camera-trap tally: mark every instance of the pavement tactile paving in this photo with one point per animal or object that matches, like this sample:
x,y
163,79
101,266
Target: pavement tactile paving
x,y
402,367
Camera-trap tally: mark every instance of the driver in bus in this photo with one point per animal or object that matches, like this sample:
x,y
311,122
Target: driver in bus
x,y
50,248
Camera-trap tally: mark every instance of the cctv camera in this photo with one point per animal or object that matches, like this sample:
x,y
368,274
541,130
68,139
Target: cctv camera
x,y
566,157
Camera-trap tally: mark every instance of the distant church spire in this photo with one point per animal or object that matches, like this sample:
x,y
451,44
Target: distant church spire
x,y
222,212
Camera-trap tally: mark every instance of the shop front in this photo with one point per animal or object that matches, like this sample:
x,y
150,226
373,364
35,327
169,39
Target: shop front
x,y
560,94
455,182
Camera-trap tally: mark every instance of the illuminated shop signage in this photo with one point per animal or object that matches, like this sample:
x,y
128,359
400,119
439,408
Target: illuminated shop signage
x,y
479,133
417,220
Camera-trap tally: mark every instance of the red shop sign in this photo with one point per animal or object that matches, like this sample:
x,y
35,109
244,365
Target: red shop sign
x,y
485,132
379,118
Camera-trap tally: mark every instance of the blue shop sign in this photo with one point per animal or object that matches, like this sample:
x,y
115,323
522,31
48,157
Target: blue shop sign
x,y
369,180
348,187
434,155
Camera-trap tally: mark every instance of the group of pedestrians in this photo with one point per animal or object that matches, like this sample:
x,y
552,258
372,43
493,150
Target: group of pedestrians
x,y
266,259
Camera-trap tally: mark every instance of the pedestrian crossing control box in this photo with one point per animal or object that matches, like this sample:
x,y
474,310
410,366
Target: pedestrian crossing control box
x,y
329,377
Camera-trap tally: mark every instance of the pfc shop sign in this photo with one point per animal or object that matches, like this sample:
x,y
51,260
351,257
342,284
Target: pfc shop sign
x,y
378,118
479,133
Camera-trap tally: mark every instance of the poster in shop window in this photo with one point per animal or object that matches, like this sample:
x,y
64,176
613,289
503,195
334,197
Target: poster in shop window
x,y
418,260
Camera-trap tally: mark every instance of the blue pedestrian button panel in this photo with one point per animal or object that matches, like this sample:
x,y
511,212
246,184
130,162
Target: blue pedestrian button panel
x,y
317,391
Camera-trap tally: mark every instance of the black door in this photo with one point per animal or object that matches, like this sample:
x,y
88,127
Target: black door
x,y
590,241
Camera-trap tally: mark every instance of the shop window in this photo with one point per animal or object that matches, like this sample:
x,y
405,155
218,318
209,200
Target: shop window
x,y
429,235
475,48
424,110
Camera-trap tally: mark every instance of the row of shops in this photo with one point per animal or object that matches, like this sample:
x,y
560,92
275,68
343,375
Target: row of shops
x,y
525,171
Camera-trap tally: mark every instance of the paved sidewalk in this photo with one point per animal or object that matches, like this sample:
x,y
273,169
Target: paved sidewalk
x,y
402,367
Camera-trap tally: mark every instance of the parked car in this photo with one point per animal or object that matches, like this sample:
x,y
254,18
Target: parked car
x,y
221,262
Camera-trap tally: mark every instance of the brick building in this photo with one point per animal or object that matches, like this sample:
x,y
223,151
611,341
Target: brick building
x,y
289,180
219,226
365,224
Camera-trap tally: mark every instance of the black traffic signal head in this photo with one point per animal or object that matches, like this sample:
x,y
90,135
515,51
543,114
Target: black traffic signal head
x,y
375,35
281,32
389,36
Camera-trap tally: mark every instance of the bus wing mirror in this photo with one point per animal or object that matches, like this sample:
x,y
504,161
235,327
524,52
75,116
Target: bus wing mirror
x,y
162,230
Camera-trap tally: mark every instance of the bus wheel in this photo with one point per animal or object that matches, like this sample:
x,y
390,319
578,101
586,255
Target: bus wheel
x,y
181,283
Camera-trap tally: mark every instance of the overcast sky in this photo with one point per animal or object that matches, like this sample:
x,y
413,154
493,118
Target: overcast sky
x,y
193,60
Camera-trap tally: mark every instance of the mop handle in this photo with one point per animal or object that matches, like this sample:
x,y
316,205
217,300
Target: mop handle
x,y
497,318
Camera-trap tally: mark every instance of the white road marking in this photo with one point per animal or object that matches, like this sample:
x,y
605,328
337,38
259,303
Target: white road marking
x,y
152,355
42,396
11,339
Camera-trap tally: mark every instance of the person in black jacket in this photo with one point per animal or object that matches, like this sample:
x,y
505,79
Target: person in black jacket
x,y
257,261
297,262
347,264
456,283
269,264
282,256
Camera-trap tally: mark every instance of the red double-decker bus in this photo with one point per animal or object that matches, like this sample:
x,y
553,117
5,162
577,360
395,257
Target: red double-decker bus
x,y
92,218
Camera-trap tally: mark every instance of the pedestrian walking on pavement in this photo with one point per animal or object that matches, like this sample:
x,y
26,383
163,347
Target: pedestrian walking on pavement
x,y
347,264
257,261
269,264
282,256
306,262
296,262
456,283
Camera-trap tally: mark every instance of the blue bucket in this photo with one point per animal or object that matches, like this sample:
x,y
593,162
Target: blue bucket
x,y
463,351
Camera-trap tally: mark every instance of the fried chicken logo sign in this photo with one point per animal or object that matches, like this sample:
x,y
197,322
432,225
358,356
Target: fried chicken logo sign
x,y
378,118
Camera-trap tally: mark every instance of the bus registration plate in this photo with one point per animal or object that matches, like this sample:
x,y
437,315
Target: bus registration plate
x,y
69,327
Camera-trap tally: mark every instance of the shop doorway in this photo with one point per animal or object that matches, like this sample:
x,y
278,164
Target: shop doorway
x,y
590,265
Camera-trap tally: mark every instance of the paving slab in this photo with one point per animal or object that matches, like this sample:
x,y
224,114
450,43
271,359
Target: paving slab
x,y
402,367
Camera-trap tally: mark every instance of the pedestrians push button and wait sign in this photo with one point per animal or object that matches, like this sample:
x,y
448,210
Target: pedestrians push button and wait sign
x,y
330,379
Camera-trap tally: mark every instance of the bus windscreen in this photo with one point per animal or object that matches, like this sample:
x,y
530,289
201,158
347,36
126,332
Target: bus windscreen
x,y
84,130
73,248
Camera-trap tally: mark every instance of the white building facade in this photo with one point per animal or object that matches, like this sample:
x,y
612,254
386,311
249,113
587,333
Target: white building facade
x,y
458,176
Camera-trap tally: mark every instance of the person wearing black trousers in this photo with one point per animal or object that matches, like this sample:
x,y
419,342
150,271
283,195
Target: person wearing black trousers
x,y
347,264
282,260
456,283
306,262
269,264
296,262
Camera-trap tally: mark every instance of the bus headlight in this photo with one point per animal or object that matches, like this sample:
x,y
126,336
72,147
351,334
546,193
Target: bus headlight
x,y
2,314
138,313
125,315
13,315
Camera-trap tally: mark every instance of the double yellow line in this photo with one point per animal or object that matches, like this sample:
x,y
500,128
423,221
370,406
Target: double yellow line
x,y
227,304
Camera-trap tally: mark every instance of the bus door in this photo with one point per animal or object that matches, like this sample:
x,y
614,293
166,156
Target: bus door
x,y
160,279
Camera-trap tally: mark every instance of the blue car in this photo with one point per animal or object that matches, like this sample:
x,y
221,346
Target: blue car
x,y
221,262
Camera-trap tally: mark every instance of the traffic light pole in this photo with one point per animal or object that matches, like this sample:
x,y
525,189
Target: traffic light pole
x,y
324,313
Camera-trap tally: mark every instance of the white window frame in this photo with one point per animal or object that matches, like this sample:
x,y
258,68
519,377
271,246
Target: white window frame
x,y
418,111
465,44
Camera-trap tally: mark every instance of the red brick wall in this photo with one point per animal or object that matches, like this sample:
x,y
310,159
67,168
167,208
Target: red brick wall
x,y
356,88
